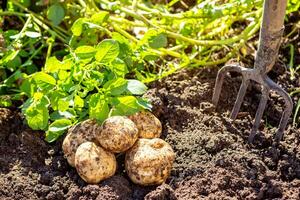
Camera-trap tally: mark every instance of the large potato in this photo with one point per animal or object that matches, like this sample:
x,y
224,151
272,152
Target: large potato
x,y
78,134
93,163
118,134
148,125
149,161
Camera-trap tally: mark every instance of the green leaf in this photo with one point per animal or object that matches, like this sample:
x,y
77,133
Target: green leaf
x,y
37,116
186,29
25,3
57,128
126,105
63,104
60,125
124,45
116,87
118,67
56,14
107,51
156,39
69,114
144,103
78,101
43,77
98,76
63,75
136,87
85,52
54,97
100,17
98,107
78,26
149,56
28,87
15,63
53,65
44,81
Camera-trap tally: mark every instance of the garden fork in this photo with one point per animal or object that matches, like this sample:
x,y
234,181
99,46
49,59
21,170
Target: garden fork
x,y
271,31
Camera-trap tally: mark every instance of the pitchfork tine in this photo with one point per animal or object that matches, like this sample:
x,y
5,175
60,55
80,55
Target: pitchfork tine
x,y
259,113
220,79
239,100
287,111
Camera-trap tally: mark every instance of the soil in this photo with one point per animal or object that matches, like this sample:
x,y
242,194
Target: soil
x,y
213,158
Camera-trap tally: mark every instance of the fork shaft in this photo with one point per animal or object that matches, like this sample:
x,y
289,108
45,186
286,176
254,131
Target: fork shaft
x,y
270,34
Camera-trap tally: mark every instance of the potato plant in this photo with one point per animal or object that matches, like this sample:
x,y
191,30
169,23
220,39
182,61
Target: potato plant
x,y
88,82
66,61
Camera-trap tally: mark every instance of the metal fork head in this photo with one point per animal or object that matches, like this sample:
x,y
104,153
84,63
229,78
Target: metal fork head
x,y
267,85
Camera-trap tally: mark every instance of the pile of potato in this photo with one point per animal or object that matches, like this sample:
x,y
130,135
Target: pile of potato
x,y
91,149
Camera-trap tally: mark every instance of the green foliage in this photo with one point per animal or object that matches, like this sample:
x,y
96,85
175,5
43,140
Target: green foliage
x,y
85,84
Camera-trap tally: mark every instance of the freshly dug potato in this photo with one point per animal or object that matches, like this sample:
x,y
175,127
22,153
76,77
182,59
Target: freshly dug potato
x,y
148,125
118,134
93,163
149,161
78,134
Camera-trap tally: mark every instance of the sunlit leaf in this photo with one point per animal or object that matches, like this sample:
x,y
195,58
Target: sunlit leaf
x,y
107,51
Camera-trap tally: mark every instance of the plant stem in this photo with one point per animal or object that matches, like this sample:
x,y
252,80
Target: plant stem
x,y
35,53
41,20
191,40
8,13
161,51
50,46
234,39
20,35
53,33
124,33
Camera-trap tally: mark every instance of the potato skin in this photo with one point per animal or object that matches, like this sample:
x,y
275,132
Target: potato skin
x,y
148,125
149,161
78,134
93,163
118,134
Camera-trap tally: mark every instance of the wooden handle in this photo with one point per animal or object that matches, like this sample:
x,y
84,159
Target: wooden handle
x,y
270,34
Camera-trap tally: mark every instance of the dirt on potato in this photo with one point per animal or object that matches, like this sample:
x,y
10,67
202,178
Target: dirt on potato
x,y
213,158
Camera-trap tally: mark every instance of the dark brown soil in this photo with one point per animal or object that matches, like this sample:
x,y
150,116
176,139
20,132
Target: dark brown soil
x,y
213,158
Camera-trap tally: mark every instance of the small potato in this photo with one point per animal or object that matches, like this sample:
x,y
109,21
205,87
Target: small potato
x,y
78,134
93,163
118,134
149,161
148,125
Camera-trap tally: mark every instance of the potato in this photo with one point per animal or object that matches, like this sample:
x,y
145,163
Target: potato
x,y
148,125
78,134
149,161
93,163
118,134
